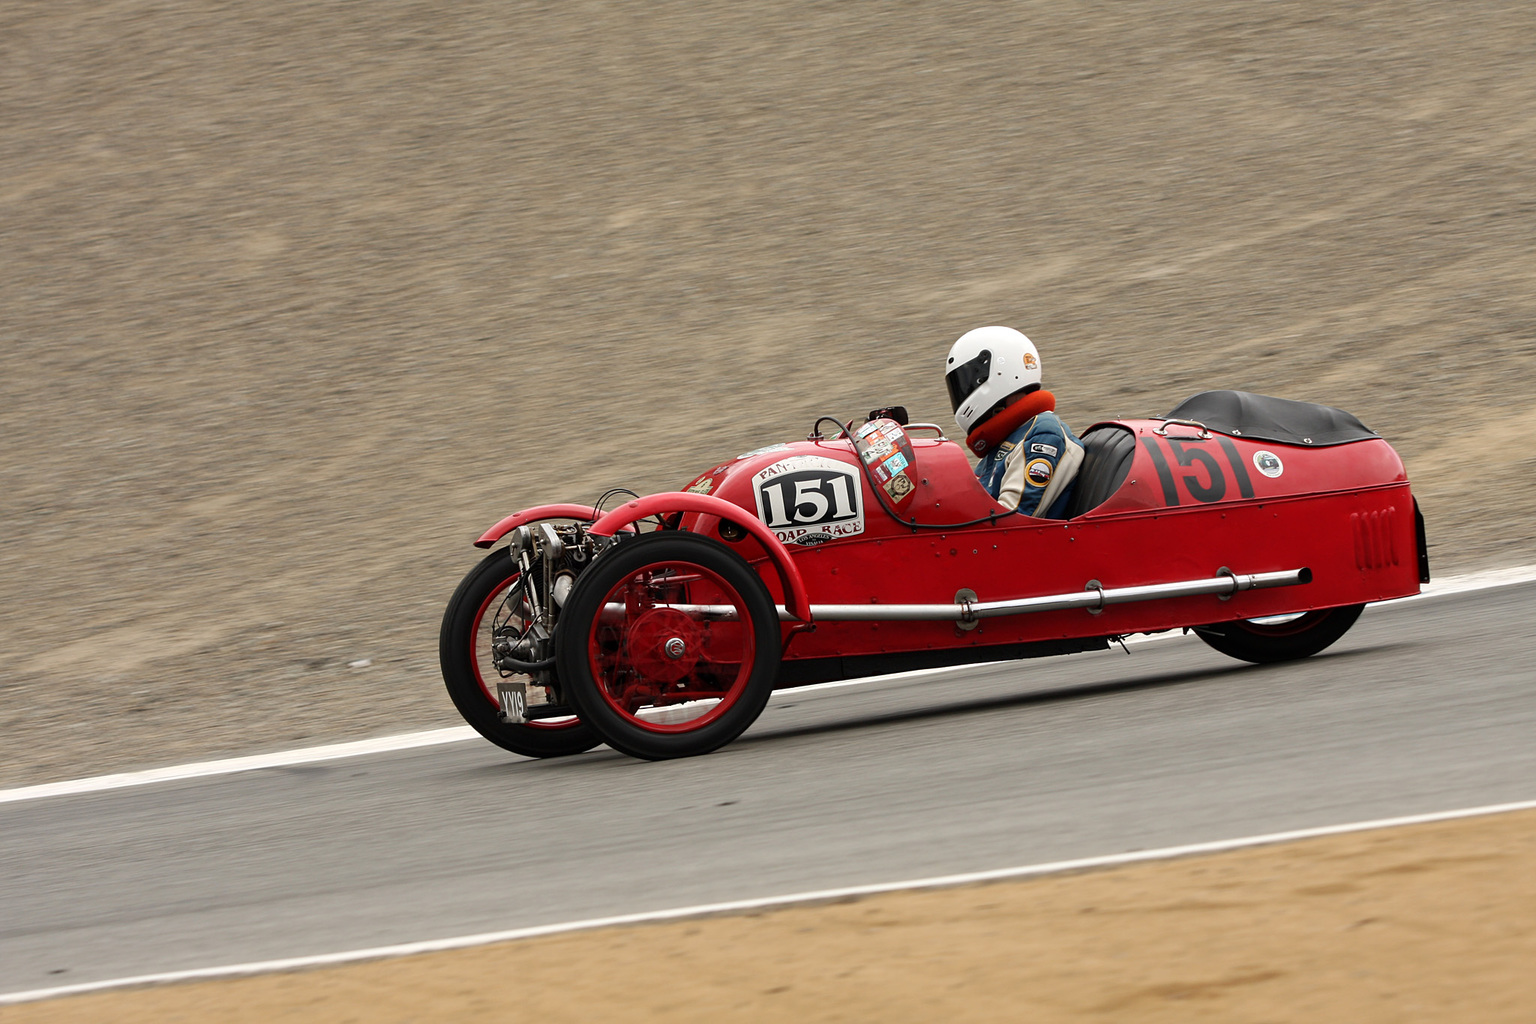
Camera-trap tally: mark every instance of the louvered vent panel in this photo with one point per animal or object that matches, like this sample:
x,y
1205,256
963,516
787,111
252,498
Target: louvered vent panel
x,y
1375,538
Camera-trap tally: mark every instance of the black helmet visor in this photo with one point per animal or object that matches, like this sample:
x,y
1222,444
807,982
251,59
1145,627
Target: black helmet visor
x,y
967,377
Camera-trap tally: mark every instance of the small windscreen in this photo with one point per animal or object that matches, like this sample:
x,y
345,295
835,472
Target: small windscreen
x,y
967,377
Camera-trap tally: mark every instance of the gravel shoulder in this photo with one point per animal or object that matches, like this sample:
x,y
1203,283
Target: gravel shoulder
x,y
296,298
1430,922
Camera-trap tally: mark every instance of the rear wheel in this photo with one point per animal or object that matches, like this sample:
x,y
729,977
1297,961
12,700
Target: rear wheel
x,y
489,605
668,645
1282,638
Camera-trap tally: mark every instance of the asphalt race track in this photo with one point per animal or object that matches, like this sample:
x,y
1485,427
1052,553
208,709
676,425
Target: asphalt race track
x,y
1424,706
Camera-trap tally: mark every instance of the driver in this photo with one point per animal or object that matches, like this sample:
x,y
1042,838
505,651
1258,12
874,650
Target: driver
x,y
1029,457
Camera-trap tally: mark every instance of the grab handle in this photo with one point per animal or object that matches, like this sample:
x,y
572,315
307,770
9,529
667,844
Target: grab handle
x,y
1162,431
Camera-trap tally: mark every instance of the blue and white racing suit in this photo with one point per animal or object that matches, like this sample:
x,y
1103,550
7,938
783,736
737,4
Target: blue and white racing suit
x,y
1035,468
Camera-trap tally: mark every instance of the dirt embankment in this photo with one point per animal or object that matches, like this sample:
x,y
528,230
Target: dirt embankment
x,y
296,297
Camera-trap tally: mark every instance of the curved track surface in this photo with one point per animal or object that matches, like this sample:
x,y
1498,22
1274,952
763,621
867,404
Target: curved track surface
x,y
1424,706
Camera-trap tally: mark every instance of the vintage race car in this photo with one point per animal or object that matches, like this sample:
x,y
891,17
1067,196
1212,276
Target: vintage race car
x,y
661,627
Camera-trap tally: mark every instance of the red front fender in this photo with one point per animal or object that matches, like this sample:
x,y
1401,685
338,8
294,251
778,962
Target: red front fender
x,y
795,597
533,515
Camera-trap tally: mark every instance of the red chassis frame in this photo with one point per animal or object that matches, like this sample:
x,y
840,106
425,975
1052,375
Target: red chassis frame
x,y
1193,509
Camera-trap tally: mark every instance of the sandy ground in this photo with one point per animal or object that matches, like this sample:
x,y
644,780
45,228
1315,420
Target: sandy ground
x,y
296,298
1428,923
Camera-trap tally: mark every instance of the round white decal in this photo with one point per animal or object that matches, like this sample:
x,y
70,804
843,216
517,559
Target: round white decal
x,y
1268,463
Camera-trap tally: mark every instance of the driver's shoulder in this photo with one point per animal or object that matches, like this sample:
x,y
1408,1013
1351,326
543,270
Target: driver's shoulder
x,y
1044,426
1045,435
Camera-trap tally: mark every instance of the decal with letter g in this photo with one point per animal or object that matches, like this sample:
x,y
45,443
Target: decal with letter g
x,y
1043,449
809,494
1268,463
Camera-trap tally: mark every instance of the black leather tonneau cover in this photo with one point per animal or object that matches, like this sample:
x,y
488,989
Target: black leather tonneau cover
x,y
1243,414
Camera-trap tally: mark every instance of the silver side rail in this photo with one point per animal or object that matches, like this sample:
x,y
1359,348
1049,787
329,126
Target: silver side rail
x,y
1093,597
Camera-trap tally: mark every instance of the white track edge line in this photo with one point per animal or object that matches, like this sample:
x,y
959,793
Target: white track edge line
x,y
406,741
764,902
279,759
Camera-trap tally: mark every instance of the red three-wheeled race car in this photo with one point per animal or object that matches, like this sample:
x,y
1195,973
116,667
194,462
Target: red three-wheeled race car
x,y
662,625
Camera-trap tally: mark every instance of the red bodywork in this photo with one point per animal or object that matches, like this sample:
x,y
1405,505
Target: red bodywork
x,y
1190,507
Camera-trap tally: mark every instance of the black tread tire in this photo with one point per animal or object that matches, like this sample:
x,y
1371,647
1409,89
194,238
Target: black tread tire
x,y
455,649
1264,645
592,587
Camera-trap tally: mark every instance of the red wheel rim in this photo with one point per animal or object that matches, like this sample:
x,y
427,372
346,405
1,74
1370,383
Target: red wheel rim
x,y
481,635
671,647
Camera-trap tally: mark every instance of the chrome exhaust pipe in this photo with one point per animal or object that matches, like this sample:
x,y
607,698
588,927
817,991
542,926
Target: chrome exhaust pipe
x,y
1094,597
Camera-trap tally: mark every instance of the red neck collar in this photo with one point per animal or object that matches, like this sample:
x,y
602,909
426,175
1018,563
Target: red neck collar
x,y
995,431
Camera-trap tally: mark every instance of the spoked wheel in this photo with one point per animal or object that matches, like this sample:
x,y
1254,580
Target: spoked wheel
x,y
1281,638
489,606
668,646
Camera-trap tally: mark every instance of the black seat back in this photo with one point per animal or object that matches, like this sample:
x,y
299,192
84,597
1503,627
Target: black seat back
x,y
1107,454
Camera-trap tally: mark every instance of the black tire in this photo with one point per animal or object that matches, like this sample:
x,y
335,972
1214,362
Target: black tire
x,y
1266,642
615,670
464,652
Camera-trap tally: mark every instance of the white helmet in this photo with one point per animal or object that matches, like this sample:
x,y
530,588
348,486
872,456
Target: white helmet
x,y
985,367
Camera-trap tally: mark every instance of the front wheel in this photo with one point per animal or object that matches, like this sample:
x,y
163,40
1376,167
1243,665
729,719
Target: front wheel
x,y
489,605
1264,641
668,645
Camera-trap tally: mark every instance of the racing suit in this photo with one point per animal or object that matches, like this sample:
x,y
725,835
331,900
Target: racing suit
x,y
1035,467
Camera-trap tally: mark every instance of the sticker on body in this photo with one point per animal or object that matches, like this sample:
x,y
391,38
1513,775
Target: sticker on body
x,y
1268,463
809,494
